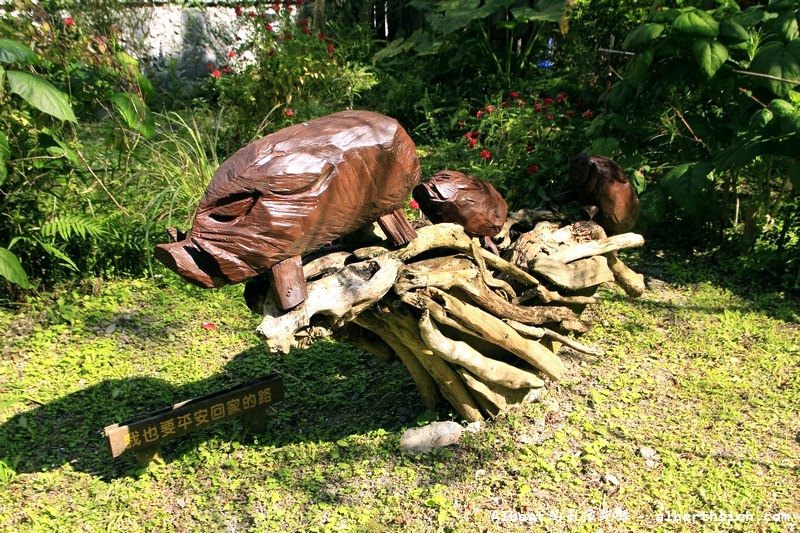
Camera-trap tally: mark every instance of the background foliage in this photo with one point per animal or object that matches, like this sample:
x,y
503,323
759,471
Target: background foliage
x,y
697,100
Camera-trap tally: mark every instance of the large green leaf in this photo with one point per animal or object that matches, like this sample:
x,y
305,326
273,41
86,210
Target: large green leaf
x,y
5,153
696,22
642,35
740,153
14,52
12,270
604,146
653,207
710,54
784,26
542,11
776,60
41,94
688,184
732,31
621,93
761,118
637,68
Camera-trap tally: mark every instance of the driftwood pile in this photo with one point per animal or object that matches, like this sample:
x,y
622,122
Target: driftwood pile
x,y
470,326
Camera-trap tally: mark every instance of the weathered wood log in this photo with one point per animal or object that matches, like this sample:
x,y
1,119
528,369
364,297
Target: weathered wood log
x,y
341,296
466,323
495,330
599,247
461,353
405,328
581,274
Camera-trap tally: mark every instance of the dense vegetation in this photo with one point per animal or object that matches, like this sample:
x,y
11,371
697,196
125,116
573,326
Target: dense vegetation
x,y
697,100
694,406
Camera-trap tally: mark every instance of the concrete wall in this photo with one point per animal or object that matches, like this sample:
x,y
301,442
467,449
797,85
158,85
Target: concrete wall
x,y
178,37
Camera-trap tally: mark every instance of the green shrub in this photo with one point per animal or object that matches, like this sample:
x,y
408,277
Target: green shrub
x,y
54,200
522,143
285,72
710,97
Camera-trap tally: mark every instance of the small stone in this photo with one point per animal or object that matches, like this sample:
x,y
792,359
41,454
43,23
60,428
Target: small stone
x,y
473,427
426,438
611,479
648,453
111,328
649,463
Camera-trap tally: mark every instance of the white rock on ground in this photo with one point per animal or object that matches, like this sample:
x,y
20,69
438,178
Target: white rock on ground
x,y
426,438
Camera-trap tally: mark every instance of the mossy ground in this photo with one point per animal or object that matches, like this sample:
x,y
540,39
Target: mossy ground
x,y
707,380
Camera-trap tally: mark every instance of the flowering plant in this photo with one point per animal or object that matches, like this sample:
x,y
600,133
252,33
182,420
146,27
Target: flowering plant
x,y
522,143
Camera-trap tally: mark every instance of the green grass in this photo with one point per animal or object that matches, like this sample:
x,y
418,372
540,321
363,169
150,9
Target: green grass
x,y
708,379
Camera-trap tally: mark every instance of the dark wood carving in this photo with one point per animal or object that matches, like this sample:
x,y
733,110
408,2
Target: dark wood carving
x,y
452,196
292,192
604,192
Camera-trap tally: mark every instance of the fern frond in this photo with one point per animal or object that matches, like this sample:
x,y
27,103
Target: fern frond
x,y
68,225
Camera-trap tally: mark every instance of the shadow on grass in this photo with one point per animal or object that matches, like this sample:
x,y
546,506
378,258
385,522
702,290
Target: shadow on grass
x,y
331,391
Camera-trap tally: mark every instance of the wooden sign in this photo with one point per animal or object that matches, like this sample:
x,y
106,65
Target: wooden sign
x,y
248,401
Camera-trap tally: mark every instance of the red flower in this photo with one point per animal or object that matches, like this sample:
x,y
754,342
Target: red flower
x,y
216,73
537,107
461,123
513,94
330,48
226,70
472,142
232,53
252,13
301,2
549,117
468,135
304,22
476,133
69,22
264,15
288,112
533,169
521,103
489,109
238,10
306,30
589,114
486,154
561,97
547,101
209,67
321,36
528,148
568,113
413,204
209,326
506,104
271,52
479,113
277,7
268,27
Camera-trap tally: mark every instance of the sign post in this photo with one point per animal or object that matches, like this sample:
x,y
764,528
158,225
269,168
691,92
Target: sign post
x,y
144,435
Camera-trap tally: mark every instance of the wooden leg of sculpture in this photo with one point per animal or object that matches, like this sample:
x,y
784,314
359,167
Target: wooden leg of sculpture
x,y
396,226
289,283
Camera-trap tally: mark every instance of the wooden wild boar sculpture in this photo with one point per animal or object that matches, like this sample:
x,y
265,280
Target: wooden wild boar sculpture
x,y
604,192
292,192
452,196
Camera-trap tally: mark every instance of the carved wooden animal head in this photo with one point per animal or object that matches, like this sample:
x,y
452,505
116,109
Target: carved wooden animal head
x,y
452,196
605,192
292,192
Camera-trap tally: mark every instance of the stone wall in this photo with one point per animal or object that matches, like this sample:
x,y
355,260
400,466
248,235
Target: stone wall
x,y
178,39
